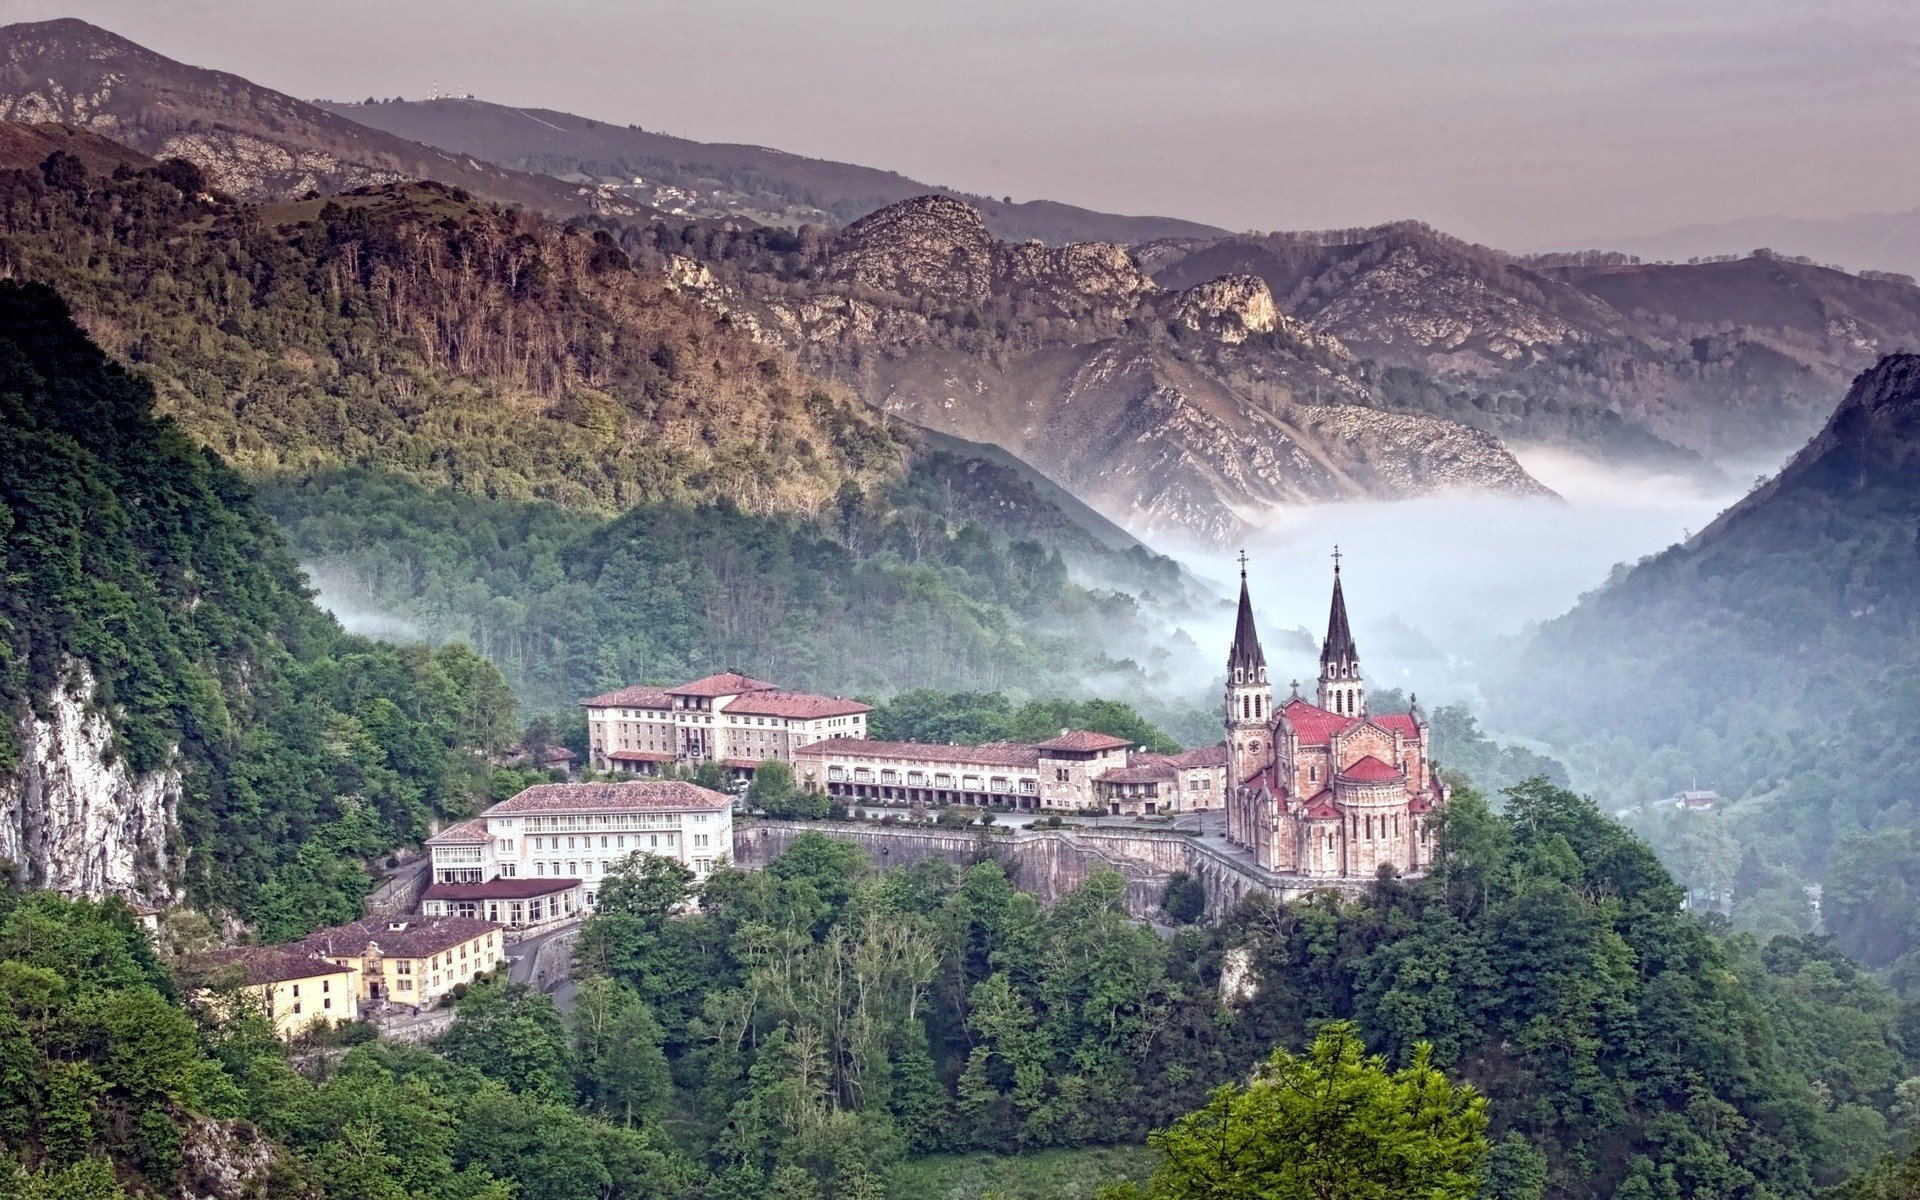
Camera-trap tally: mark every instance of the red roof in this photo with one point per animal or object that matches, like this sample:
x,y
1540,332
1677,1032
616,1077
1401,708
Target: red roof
x,y
1419,804
465,832
397,937
1321,807
1082,741
268,964
1371,770
651,795
993,754
1400,723
1141,768
1205,756
798,705
499,889
646,756
640,695
1316,726
725,684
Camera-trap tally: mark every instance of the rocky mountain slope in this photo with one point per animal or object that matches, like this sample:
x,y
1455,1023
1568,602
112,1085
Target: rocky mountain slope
x,y
721,180
1774,653
1724,358
253,142
1174,412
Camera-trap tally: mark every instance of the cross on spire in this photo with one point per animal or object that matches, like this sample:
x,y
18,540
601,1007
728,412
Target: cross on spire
x,y
1336,558
1243,562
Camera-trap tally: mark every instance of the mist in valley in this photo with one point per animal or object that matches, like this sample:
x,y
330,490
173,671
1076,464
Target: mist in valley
x,y
1443,590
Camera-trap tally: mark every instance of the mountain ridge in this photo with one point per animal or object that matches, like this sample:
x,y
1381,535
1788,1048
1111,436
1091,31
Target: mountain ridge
x,y
254,142
1173,412
760,183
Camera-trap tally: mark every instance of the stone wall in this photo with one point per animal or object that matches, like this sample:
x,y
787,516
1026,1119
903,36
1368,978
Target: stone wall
x,y
1049,863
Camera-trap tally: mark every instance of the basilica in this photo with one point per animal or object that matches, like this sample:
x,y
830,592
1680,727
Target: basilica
x,y
1327,789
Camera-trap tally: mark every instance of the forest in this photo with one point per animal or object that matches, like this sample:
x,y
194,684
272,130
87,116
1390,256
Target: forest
x,y
819,1030
1772,657
303,751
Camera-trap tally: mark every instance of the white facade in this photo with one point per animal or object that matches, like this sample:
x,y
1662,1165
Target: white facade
x,y
573,834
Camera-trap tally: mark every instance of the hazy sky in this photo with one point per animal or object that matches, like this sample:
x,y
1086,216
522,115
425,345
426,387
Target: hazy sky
x,y
1517,123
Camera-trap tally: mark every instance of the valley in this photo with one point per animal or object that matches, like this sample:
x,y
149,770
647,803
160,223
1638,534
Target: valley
x,y
395,493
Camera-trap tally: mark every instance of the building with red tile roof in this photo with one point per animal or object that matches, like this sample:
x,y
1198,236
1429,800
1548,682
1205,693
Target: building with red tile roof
x,y
729,718
1367,778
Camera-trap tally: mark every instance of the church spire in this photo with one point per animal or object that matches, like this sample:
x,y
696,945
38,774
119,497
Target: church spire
x,y
1339,647
1341,690
1246,662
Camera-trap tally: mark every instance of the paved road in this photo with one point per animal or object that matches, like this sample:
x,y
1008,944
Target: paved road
x,y
520,955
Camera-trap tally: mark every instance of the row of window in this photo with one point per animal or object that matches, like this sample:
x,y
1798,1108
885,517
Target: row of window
x,y
613,822
941,779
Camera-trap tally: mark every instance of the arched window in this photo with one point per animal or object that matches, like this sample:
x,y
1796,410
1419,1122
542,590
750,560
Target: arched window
x,y
1246,707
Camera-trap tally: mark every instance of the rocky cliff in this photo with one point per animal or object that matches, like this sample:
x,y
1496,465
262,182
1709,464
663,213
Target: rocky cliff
x,y
1184,412
1721,357
73,816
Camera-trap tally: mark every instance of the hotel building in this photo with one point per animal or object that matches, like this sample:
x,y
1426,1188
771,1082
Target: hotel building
x,y
541,856
729,718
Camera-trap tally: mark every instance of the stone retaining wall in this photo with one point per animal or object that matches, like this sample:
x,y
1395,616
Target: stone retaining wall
x,y
1050,863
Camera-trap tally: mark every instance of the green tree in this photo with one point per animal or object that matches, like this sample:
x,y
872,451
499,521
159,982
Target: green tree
x,y
1185,900
512,1035
1332,1124
618,1065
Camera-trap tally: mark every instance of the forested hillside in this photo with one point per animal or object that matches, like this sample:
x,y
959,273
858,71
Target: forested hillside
x,y
412,328
447,402
138,561
879,599
812,1029
1772,656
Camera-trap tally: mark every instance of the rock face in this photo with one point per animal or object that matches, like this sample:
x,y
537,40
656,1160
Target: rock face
x,y
71,818
1719,357
1184,413
253,142
224,1160
939,247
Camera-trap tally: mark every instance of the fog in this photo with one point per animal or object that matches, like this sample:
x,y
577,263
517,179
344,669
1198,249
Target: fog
x,y
335,590
1437,588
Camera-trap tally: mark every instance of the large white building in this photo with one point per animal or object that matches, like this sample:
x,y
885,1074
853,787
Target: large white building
x,y
541,856
732,719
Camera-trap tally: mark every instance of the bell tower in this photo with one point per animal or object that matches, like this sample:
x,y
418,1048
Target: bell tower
x,y
1249,699
1341,690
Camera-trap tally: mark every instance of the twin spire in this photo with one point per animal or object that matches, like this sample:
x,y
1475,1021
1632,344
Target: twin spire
x,y
1246,662
1340,688
1338,649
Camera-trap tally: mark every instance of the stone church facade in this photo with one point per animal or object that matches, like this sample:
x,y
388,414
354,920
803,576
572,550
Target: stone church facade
x,y
1325,789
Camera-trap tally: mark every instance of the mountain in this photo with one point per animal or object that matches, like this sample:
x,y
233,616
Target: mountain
x,y
253,142
1861,242
721,180
1181,412
465,346
1774,654
1727,359
176,717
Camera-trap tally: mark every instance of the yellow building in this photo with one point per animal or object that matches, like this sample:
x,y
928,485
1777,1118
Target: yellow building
x,y
297,990
411,960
